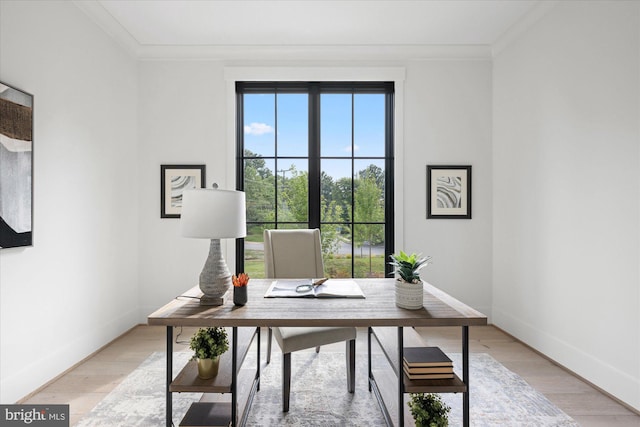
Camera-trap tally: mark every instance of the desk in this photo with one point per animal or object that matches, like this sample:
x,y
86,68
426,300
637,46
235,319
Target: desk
x,y
377,309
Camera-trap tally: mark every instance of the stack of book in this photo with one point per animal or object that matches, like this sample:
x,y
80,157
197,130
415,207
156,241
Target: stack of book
x,y
427,363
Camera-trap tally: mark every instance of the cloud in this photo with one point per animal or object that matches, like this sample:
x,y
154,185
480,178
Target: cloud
x,y
348,148
258,129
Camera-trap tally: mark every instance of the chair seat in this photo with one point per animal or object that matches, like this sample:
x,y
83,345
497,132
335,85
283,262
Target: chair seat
x,y
293,339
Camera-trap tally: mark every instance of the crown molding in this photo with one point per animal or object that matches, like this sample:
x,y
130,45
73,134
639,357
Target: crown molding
x,y
98,14
523,25
109,25
314,52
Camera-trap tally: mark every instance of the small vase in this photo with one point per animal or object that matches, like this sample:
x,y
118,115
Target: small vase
x,y
239,295
409,295
208,368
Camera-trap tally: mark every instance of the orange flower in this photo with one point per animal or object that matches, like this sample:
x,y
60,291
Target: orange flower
x,y
240,280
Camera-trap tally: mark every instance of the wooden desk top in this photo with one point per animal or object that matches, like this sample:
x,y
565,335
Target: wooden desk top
x,y
377,309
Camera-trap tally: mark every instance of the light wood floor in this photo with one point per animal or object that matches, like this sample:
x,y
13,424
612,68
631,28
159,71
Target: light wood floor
x,y
84,386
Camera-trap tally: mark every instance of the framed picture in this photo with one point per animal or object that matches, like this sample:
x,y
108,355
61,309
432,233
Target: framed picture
x,y
16,172
174,179
449,192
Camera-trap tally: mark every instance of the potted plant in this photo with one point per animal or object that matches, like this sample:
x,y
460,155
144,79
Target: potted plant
x,y
240,288
429,410
409,292
208,344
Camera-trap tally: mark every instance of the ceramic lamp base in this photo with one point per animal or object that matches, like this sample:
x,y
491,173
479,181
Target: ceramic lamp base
x,y
215,279
205,300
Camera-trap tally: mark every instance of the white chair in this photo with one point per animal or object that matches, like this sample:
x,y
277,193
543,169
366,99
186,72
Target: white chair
x,y
297,254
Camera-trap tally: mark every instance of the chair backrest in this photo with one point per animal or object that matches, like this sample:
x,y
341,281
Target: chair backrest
x,y
293,254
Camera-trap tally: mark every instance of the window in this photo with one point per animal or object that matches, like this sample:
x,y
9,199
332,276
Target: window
x,y
318,155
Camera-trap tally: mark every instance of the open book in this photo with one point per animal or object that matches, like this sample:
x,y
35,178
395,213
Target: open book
x,y
332,288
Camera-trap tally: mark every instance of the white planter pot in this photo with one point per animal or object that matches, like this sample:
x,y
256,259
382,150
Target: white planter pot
x,y
409,295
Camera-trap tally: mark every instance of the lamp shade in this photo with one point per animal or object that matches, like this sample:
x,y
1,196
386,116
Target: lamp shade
x,y
213,214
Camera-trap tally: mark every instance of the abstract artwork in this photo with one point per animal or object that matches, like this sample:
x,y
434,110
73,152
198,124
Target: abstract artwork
x,y
174,180
16,167
449,192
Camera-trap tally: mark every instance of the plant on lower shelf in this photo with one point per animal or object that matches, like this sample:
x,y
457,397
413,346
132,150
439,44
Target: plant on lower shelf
x,y
429,410
208,344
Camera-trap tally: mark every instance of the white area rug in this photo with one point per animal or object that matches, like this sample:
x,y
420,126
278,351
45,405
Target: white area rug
x,y
319,396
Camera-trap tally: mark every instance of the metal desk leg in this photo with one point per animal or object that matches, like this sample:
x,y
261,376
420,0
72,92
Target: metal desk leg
x,y
465,375
258,360
400,377
369,374
169,375
234,377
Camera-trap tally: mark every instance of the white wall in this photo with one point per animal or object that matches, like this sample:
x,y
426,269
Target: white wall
x,y
566,191
76,288
184,111
182,120
448,122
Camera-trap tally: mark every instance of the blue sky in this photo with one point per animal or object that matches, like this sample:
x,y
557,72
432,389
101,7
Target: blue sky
x,y
336,133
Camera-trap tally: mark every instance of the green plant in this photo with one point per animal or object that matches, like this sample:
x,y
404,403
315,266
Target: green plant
x,y
429,410
408,266
209,342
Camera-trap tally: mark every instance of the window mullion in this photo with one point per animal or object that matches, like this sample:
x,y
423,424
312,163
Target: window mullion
x,y
240,169
353,188
276,193
389,229
314,157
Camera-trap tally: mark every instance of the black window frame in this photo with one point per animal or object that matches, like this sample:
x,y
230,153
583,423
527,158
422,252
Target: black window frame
x,y
315,90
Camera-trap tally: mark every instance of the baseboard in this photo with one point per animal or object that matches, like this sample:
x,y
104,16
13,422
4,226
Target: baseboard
x,y
528,335
130,320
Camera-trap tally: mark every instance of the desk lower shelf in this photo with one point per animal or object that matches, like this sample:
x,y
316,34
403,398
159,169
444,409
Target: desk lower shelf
x,y
207,414
387,338
454,385
187,381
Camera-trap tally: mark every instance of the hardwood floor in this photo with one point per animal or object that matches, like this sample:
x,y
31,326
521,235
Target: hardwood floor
x,y
88,383
585,404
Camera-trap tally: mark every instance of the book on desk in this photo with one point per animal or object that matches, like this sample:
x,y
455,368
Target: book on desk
x,y
302,288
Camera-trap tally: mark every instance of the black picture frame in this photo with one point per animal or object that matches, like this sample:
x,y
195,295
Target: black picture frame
x,y
448,192
16,173
174,179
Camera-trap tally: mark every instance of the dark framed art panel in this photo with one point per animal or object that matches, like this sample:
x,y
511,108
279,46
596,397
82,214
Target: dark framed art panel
x,y
448,192
16,170
174,180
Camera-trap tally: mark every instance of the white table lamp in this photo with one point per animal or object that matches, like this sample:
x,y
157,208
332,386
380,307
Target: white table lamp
x,y
213,214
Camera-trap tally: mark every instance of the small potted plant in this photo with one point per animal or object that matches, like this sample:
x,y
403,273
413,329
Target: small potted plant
x,y
429,410
409,287
208,344
240,288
